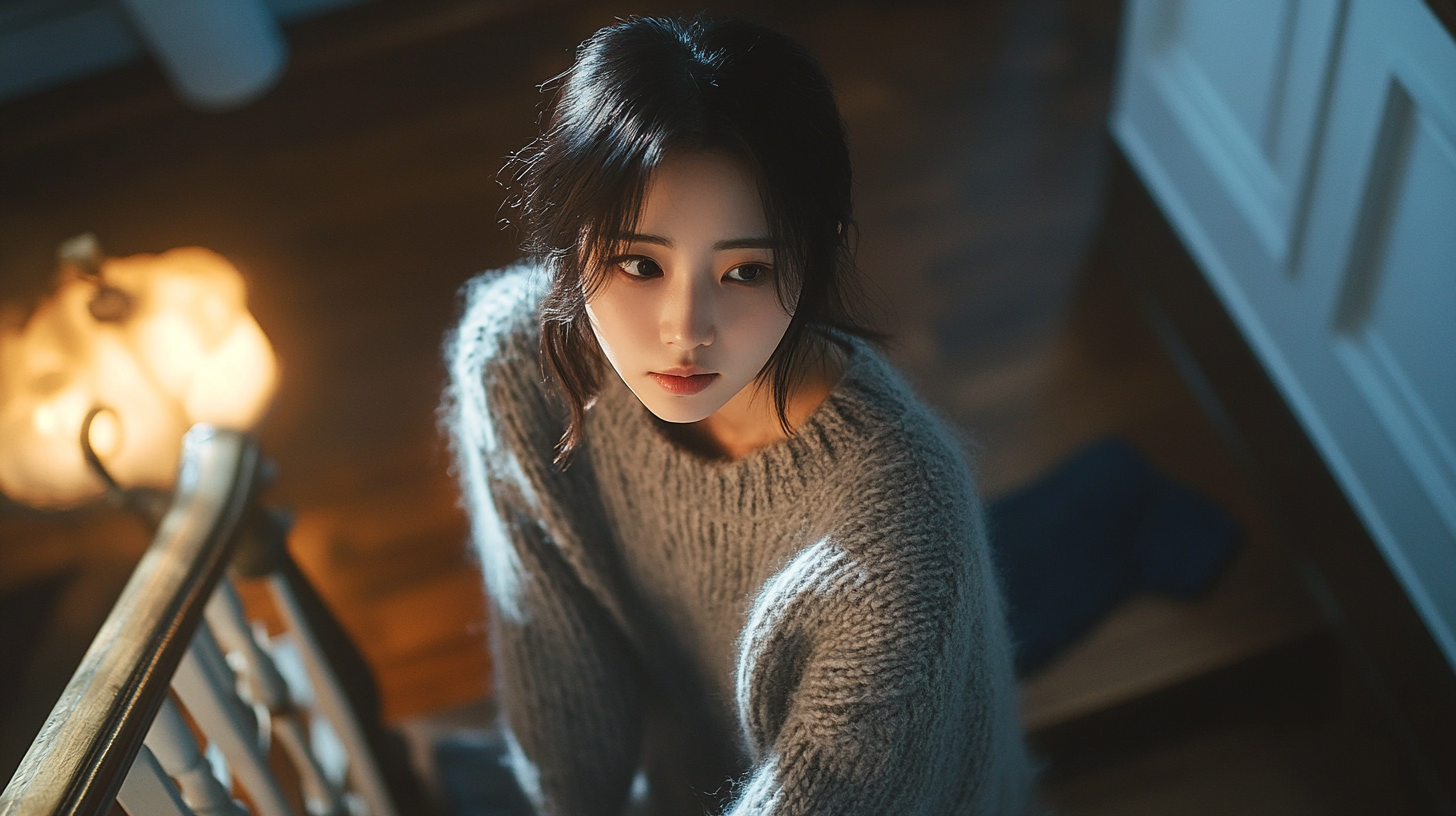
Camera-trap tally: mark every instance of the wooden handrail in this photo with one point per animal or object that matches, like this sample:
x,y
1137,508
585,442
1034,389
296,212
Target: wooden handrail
x,y
79,760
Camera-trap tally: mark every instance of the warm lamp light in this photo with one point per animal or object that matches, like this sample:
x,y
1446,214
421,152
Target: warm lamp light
x,y
148,345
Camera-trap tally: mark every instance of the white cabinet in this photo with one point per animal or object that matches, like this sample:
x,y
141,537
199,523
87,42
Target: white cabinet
x,y
1305,151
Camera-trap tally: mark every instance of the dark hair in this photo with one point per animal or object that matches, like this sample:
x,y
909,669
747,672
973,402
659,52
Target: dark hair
x,y
647,86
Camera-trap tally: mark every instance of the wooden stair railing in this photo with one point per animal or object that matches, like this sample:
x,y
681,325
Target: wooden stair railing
x,y
117,736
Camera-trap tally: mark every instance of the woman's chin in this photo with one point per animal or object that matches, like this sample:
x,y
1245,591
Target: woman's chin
x,y
678,409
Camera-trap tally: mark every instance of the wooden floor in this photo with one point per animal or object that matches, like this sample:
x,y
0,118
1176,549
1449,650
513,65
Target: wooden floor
x,y
361,193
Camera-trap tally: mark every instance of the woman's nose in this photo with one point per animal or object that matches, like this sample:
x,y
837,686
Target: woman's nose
x,y
687,316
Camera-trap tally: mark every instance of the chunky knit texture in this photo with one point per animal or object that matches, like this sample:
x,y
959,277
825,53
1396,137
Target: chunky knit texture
x,y
812,629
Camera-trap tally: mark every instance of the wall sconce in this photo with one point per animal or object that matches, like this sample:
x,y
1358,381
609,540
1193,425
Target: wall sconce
x,y
101,382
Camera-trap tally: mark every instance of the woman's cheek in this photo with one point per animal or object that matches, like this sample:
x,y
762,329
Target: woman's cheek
x,y
620,317
759,323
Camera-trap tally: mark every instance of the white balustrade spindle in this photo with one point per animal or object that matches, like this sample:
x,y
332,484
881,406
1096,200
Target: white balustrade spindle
x,y
172,744
148,792
212,699
264,685
333,702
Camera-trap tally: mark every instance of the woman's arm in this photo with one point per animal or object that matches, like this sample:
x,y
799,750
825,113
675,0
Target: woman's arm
x,y
566,686
879,682
564,673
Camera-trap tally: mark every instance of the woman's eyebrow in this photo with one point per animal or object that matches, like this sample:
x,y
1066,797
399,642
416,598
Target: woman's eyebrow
x,y
642,238
760,242
744,243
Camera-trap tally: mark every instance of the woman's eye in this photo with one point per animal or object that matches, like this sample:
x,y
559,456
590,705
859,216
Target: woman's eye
x,y
747,273
639,267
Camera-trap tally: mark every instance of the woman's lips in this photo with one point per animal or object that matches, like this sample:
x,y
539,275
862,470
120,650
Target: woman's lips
x,y
683,385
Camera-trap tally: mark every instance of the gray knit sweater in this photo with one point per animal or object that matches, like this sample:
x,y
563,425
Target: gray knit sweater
x,y
812,629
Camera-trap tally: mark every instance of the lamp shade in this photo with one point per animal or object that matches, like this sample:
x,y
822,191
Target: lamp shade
x,y
180,348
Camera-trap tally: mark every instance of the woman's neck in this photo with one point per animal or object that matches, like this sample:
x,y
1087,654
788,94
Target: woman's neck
x,y
749,420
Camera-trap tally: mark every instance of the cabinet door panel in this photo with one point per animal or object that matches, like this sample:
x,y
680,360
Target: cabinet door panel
x,y
1247,78
1244,83
1399,310
1382,265
1360,334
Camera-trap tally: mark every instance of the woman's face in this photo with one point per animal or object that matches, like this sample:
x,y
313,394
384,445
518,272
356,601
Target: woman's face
x,y
689,313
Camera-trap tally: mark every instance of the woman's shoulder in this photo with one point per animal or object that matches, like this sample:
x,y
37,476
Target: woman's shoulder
x,y
496,343
500,310
494,360
900,478
894,432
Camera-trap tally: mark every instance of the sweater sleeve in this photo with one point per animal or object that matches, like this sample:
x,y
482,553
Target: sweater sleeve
x,y
565,687
876,679
564,672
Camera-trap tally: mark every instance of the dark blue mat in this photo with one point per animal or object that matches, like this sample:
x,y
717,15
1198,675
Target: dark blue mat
x,y
1099,527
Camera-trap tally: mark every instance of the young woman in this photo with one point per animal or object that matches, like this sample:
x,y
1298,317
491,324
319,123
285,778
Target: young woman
x,y
730,555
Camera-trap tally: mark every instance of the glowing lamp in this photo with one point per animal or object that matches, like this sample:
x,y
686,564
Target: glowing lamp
x,y
135,350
